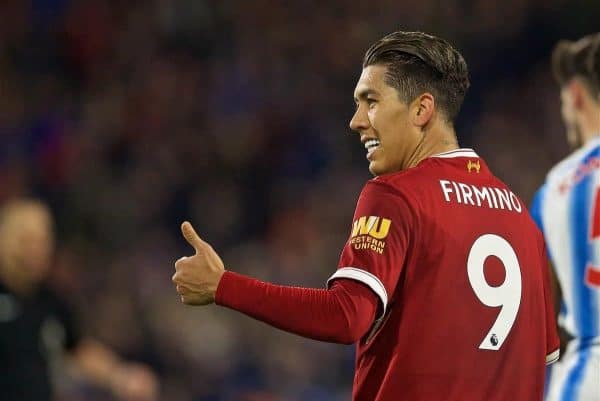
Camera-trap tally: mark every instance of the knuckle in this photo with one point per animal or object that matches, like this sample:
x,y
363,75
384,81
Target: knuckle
x,y
179,262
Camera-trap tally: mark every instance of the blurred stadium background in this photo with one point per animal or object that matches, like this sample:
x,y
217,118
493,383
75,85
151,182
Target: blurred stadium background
x,y
129,116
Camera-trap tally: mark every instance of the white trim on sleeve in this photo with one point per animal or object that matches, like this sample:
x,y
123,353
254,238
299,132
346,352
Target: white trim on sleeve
x,y
552,357
371,281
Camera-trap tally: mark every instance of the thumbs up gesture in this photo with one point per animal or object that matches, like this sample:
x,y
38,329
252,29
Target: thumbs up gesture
x,y
197,277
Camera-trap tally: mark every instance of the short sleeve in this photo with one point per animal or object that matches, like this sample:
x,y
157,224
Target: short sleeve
x,y
376,250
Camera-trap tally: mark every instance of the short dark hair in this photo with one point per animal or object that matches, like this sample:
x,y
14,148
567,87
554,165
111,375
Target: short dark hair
x,y
579,59
418,62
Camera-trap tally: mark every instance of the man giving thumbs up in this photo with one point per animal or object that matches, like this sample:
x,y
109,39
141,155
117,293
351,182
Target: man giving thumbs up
x,y
198,276
410,287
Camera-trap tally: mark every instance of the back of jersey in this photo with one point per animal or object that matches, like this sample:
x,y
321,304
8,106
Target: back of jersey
x,y
475,312
567,208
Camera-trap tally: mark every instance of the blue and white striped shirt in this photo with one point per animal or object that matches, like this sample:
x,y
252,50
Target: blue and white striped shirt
x,y
567,210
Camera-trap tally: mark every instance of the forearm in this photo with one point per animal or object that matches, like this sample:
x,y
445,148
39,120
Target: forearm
x,y
342,314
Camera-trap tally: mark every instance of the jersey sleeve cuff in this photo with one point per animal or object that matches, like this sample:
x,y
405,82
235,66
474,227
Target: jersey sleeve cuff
x,y
230,283
552,357
371,281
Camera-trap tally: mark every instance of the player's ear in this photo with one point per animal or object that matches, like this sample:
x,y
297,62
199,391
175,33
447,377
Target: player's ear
x,y
422,109
577,93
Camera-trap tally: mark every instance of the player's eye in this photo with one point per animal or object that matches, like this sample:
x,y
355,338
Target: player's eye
x,y
371,101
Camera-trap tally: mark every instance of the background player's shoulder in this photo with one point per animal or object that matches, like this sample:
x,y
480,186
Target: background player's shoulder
x,y
561,168
572,161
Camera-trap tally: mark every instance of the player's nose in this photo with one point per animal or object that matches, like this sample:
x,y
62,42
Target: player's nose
x,y
359,121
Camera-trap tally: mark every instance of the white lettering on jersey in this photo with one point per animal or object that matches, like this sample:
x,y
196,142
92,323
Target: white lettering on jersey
x,y
490,197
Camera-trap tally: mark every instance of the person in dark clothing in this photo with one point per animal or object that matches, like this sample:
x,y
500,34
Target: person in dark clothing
x,y
37,326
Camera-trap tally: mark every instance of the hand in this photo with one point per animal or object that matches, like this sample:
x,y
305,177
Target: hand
x,y
135,382
197,277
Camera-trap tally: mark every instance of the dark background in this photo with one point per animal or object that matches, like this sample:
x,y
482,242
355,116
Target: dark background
x,y
129,116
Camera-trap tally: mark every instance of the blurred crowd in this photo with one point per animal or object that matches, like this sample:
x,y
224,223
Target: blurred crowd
x,y
130,116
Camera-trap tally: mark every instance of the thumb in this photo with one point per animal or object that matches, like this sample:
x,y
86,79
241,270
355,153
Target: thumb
x,y
190,236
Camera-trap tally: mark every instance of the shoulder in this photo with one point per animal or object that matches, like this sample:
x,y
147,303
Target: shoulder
x,y
397,186
561,168
572,161
403,182
382,198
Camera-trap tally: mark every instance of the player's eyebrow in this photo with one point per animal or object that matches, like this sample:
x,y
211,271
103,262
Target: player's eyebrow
x,y
363,94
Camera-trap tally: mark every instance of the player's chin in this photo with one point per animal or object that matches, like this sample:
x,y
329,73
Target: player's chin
x,y
377,168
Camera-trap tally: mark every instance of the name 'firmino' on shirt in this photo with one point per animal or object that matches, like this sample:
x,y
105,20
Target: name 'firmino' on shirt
x,y
491,197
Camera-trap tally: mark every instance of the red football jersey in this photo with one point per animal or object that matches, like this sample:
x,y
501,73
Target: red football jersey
x,y
461,272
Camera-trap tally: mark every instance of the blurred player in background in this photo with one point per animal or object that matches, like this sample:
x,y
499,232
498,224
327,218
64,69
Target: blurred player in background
x,y
36,326
443,281
567,209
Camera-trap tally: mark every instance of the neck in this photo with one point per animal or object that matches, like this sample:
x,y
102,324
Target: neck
x,y
588,137
15,284
590,123
432,142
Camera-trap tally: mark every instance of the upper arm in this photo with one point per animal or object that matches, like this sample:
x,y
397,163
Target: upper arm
x,y
380,236
556,290
358,304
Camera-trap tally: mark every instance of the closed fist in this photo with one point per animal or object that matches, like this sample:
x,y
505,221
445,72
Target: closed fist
x,y
197,277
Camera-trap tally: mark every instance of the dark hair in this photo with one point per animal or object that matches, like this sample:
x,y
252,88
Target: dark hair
x,y
579,59
417,62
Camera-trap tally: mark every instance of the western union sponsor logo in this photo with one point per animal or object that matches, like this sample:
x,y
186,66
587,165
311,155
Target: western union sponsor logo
x,y
373,226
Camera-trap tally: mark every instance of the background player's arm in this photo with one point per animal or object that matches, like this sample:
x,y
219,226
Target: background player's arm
x,y
556,290
102,366
564,336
